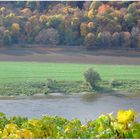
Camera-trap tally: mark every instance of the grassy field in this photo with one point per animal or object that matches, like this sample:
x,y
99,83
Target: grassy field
x,y
21,71
14,75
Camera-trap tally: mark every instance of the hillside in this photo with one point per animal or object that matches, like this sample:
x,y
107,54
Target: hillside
x,y
97,24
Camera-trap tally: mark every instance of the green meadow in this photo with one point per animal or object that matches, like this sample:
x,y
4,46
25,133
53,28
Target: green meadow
x,y
21,71
29,77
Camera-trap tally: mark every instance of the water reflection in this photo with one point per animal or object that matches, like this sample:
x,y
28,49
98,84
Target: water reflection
x,y
90,97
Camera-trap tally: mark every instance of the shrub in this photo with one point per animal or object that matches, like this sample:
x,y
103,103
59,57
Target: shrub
x,y
114,83
50,83
92,77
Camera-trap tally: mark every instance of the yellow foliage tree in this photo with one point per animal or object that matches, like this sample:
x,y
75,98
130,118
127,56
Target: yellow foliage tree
x,y
43,18
15,28
90,14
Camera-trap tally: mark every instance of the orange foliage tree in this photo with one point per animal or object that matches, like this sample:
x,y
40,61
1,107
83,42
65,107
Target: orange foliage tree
x,y
103,9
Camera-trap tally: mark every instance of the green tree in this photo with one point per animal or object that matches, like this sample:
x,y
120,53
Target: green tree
x,y
92,77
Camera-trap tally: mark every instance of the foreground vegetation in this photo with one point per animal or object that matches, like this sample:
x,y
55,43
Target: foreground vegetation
x,y
105,126
28,78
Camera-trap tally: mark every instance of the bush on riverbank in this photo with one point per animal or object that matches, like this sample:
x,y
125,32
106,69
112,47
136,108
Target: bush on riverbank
x,y
92,77
30,88
105,126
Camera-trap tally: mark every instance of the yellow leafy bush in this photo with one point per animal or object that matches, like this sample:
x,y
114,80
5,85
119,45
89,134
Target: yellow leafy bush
x,y
126,116
105,126
25,134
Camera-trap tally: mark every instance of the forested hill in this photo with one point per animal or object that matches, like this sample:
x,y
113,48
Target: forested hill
x,y
94,24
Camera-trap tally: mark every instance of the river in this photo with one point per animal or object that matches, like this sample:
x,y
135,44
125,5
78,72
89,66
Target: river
x,y
85,107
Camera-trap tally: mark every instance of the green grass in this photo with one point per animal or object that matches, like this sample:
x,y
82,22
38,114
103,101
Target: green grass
x,y
21,71
16,77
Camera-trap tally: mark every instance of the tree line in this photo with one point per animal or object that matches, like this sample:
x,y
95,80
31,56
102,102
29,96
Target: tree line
x,y
94,24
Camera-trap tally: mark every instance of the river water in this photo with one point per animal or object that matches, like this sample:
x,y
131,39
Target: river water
x,y
85,107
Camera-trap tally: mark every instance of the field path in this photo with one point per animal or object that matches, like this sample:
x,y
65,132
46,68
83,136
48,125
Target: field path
x,y
61,55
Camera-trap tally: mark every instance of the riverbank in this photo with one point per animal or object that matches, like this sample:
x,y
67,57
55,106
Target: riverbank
x,y
24,71
66,87
28,78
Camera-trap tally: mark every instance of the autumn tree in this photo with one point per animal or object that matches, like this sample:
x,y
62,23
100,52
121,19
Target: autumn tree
x,y
116,40
26,12
91,26
135,32
7,40
104,39
2,9
48,36
9,19
103,23
43,19
83,29
103,9
93,9
31,4
90,41
125,39
15,28
2,29
72,36
55,21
